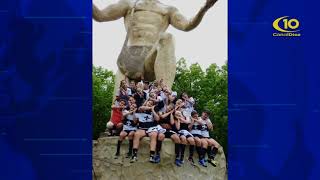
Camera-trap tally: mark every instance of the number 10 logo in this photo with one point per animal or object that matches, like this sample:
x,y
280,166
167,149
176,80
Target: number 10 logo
x,y
285,24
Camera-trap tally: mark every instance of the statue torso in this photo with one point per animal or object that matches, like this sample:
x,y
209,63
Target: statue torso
x,y
150,19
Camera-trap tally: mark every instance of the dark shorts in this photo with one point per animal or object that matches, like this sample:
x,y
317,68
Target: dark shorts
x,y
186,136
169,133
197,135
128,131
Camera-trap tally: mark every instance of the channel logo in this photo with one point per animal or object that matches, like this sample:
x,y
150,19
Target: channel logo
x,y
286,26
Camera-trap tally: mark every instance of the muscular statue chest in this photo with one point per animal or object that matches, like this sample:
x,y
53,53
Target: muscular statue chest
x,y
152,8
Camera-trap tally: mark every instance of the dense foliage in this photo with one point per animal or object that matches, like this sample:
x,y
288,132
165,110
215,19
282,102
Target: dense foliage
x,y
209,88
103,85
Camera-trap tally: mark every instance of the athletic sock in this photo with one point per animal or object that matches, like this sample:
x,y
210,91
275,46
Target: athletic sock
x,y
177,150
198,151
183,147
130,145
118,147
209,152
202,152
135,151
214,152
158,147
152,153
191,150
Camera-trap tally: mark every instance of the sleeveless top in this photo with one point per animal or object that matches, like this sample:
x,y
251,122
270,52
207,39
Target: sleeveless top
x,y
128,124
196,129
146,120
205,130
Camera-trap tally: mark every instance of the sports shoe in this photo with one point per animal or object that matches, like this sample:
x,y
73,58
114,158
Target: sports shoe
x,y
212,162
190,159
157,159
202,163
134,159
151,159
178,162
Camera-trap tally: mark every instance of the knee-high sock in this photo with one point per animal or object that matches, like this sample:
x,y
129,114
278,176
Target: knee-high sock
x,y
214,152
191,150
209,152
130,146
202,153
118,147
177,150
158,147
198,151
183,147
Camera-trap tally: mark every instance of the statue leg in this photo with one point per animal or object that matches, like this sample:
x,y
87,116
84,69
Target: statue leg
x,y
165,63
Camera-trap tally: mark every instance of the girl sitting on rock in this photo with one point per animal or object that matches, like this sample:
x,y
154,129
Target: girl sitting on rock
x,y
129,127
185,136
147,126
114,126
168,123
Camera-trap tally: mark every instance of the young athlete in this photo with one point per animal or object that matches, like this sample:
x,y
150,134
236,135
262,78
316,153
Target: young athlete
x,y
185,136
147,127
129,127
213,145
168,123
114,126
188,103
201,144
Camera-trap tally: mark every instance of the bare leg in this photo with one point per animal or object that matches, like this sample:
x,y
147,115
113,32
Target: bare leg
x,y
153,140
165,63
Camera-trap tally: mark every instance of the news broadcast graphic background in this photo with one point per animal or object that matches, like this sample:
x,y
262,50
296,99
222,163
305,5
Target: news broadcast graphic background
x,y
274,90
45,89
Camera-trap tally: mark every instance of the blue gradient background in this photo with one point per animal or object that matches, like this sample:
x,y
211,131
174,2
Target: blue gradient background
x,y
45,89
274,85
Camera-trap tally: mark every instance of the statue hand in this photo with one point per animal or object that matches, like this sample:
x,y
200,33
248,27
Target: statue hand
x,y
209,4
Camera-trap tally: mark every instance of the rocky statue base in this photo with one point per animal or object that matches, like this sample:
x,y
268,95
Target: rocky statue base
x,y
108,168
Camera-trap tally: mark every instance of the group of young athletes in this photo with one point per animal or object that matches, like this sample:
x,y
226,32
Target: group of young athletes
x,y
152,110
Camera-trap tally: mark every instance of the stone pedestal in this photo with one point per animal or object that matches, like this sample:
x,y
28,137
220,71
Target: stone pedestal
x,y
108,168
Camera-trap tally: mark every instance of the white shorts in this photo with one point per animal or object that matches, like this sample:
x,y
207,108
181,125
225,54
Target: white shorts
x,y
185,133
157,129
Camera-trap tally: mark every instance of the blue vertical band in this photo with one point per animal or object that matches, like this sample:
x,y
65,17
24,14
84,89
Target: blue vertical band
x,y
273,104
45,89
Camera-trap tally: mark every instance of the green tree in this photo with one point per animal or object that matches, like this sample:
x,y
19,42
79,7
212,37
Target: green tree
x,y
102,87
210,90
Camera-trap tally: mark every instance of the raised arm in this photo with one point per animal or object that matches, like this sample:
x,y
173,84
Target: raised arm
x,y
180,22
112,12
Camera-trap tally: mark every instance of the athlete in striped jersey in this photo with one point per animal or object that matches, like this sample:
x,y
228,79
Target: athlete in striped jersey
x,y
148,120
201,143
168,122
185,136
213,145
129,127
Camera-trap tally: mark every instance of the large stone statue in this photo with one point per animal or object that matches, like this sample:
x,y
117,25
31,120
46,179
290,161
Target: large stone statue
x,y
148,52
